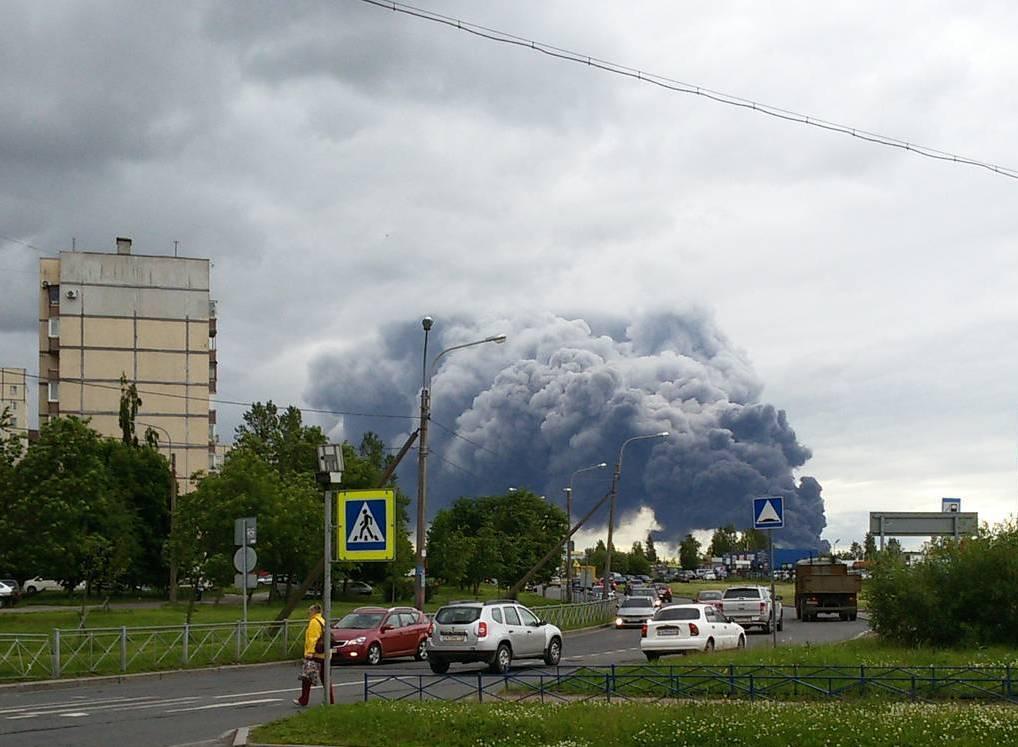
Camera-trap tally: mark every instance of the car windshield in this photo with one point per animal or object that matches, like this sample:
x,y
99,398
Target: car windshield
x,y
361,620
709,595
457,615
740,593
678,613
637,602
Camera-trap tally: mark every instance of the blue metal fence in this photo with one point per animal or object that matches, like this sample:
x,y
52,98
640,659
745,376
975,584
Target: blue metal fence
x,y
753,682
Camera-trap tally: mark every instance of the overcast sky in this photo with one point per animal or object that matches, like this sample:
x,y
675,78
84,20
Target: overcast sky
x,y
346,167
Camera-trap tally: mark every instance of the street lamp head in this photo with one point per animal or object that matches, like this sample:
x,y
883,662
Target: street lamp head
x,y
663,434
426,322
498,339
603,465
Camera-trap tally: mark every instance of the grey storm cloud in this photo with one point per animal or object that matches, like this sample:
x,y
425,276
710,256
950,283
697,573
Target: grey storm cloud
x,y
565,393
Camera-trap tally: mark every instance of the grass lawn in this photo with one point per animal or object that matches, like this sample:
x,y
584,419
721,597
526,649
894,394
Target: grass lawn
x,y
27,620
645,725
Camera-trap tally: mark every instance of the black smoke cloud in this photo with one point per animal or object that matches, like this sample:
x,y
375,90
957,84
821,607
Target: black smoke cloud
x,y
565,393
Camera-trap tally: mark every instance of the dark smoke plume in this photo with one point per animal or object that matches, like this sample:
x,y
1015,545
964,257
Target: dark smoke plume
x,y
564,393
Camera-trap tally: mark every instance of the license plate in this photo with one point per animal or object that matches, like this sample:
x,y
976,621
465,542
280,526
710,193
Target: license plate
x,y
454,636
667,631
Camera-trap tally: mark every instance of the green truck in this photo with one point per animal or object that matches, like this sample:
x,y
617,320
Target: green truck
x,y
824,586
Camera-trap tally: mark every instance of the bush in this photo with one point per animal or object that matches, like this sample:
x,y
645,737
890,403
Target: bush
x,y
404,589
961,593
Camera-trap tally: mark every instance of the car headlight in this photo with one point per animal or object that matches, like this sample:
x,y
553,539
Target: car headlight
x,y
358,641
618,620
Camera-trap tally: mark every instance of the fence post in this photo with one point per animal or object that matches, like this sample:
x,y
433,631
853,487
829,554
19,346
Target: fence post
x,y
365,686
615,683
862,679
123,649
187,643
480,689
752,687
56,653
608,686
731,680
286,636
236,636
1008,685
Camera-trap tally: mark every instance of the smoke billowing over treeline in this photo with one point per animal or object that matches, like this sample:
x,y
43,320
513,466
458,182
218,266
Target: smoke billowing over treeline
x,y
565,393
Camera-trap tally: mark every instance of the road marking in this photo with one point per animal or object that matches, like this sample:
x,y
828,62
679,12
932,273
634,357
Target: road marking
x,y
76,714
225,705
76,704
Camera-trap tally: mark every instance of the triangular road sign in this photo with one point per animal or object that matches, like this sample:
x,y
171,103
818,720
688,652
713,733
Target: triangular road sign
x,y
366,528
768,515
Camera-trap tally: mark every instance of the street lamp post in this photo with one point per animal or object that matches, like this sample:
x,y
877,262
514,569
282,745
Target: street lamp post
x,y
422,451
611,504
173,507
569,514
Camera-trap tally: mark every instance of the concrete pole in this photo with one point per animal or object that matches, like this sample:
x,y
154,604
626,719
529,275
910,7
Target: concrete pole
x,y
422,494
327,600
569,547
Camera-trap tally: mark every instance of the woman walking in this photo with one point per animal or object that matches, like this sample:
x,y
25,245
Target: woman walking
x,y
316,642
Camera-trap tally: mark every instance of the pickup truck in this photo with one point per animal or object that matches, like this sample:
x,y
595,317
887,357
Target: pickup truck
x,y
750,606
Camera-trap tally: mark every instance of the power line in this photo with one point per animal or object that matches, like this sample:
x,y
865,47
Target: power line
x,y
458,435
23,243
677,86
218,401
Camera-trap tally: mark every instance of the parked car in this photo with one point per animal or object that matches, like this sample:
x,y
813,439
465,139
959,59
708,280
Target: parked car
x,y
264,579
713,597
371,634
10,592
634,612
356,587
38,583
678,628
495,632
751,605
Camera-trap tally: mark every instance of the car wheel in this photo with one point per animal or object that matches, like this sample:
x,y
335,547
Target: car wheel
x,y
766,628
709,648
553,653
30,590
853,616
742,642
652,656
781,623
438,666
422,650
502,660
374,654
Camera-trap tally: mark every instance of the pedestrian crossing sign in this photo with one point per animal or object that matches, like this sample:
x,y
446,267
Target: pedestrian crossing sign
x,y
768,512
366,525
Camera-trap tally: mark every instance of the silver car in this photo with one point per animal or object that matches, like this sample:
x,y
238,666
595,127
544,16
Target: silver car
x,y
634,612
494,632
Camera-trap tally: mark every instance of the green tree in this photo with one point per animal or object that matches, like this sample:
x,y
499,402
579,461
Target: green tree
x,y
893,547
129,404
724,540
61,499
855,551
280,438
689,553
650,550
596,557
869,547
639,563
752,540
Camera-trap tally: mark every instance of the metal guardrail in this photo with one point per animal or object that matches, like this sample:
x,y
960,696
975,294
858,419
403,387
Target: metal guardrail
x,y
24,655
579,615
753,682
74,652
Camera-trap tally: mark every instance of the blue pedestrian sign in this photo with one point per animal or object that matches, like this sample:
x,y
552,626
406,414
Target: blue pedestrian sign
x,y
768,512
366,527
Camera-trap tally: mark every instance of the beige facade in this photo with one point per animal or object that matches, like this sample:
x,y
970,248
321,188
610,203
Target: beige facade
x,y
14,400
149,318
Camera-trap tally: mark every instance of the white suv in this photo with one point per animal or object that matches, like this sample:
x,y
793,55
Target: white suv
x,y
495,632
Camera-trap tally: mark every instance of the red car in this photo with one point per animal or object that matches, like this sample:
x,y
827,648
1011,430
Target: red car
x,y
370,634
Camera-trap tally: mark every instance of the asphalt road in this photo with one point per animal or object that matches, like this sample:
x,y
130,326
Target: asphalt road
x,y
183,707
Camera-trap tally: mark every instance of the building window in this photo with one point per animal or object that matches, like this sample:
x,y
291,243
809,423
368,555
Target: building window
x,y
53,391
54,327
14,390
54,295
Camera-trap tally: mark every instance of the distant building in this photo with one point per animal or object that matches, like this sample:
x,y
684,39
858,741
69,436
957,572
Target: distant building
x,y
148,318
14,399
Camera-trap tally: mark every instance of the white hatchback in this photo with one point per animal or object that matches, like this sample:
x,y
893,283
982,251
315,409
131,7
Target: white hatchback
x,y
678,628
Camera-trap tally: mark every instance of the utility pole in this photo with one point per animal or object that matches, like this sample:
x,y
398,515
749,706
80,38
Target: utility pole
x,y
422,470
569,516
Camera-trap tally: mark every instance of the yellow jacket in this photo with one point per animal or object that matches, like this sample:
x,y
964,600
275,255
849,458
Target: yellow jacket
x,y
315,627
